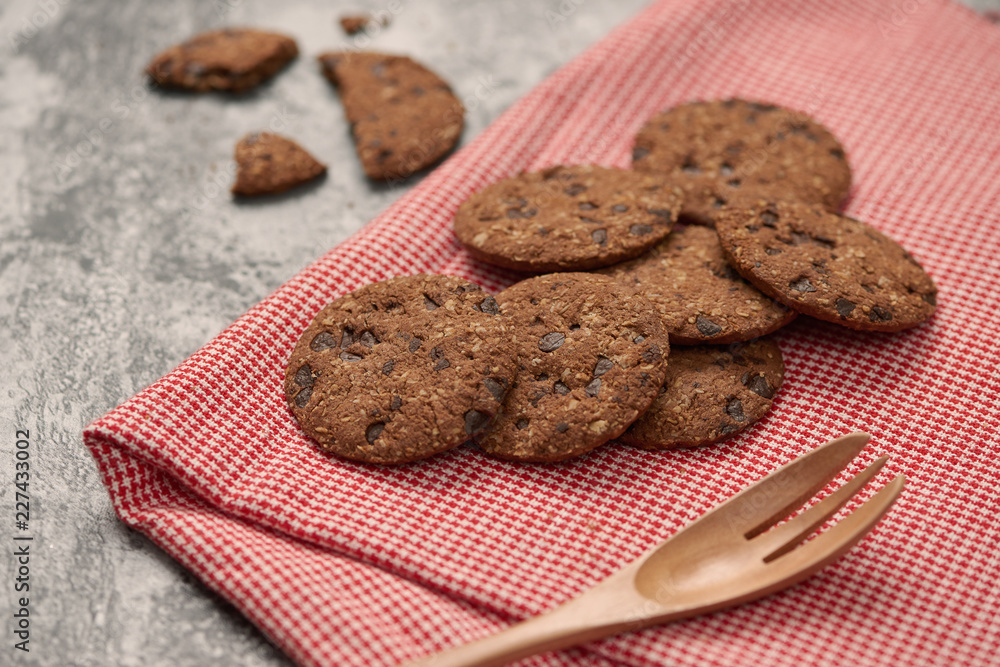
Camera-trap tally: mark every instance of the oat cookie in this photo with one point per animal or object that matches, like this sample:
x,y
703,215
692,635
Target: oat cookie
x,y
403,116
710,393
234,59
268,163
567,218
593,355
829,266
722,151
401,369
702,298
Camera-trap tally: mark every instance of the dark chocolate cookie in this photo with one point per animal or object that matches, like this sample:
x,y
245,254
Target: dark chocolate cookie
x,y
829,266
234,59
723,151
710,393
402,369
567,218
593,355
404,117
268,163
702,298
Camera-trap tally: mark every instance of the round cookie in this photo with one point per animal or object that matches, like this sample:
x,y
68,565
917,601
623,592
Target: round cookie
x,y
233,59
710,393
401,369
829,266
403,116
593,355
722,151
702,299
567,218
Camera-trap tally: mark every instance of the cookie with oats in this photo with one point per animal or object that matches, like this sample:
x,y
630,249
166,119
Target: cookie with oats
x,y
401,369
701,297
711,392
567,218
592,357
267,164
723,151
233,59
829,266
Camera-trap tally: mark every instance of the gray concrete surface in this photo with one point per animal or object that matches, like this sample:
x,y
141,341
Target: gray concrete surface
x,y
121,253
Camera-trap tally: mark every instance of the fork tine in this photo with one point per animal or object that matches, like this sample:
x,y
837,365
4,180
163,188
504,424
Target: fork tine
x,y
758,507
829,546
782,539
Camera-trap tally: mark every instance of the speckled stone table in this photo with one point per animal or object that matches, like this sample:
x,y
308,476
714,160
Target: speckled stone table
x,y
122,252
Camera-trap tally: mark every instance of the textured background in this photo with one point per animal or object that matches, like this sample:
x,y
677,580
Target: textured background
x,y
122,254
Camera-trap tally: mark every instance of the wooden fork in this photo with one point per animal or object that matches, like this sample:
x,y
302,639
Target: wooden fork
x,y
733,554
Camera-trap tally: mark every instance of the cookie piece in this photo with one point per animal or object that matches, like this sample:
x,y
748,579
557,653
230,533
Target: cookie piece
x,y
593,355
268,163
567,218
403,116
702,298
722,151
234,59
355,23
401,369
710,393
829,266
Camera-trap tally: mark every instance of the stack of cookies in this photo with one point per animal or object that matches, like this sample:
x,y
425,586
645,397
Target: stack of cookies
x,y
650,320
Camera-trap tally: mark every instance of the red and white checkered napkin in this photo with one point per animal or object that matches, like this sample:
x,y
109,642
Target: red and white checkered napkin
x,y
343,564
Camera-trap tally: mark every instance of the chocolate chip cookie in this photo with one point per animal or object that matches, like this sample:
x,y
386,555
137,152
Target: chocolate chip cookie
x,y
267,164
403,116
401,369
567,218
234,59
723,151
826,265
593,355
702,298
710,393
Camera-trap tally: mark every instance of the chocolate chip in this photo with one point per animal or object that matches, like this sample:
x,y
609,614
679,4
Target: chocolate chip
x,y
769,218
845,307
368,339
718,202
431,303
561,389
593,387
689,167
586,206
348,357
323,341
302,397
706,326
304,376
758,384
388,366
639,339
347,338
602,366
442,364
542,231
880,314
489,306
551,342
415,344
837,153
395,403
575,189
802,285
726,428
562,427
639,152
734,408
522,424
374,431
541,377
726,169
600,236
619,208
591,221
574,327
640,230
929,298
651,354
494,388
660,213
475,421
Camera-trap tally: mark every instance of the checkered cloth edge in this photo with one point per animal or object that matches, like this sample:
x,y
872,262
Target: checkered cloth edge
x,y
347,564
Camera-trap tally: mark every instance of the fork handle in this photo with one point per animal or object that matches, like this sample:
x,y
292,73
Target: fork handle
x,y
576,622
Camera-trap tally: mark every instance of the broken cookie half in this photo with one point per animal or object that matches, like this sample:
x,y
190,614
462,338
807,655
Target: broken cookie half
x,y
267,164
404,117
